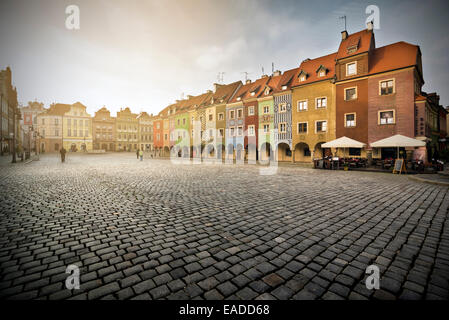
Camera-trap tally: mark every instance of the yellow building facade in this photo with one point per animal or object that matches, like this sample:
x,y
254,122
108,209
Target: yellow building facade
x,y
313,108
77,129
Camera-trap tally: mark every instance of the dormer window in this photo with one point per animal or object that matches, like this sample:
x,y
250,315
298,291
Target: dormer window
x,y
267,91
322,73
284,87
239,98
253,93
302,78
351,69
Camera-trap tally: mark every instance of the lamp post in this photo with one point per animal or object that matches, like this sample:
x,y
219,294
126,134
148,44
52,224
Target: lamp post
x,y
1,124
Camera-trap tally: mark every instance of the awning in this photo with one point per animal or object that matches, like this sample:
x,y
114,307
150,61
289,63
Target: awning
x,y
343,142
398,141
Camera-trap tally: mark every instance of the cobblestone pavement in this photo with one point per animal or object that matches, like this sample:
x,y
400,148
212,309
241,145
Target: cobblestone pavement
x,y
154,230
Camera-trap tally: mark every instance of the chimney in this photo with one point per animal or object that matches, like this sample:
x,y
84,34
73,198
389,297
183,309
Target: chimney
x,y
209,91
264,76
215,87
277,73
370,26
248,81
344,35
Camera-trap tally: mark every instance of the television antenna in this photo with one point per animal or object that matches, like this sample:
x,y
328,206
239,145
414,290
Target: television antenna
x,y
246,75
220,77
344,18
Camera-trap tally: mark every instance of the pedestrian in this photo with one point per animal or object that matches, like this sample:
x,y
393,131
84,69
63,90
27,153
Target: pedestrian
x,y
62,152
141,155
137,153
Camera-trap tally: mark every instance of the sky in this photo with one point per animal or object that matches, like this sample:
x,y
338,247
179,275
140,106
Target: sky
x,y
145,54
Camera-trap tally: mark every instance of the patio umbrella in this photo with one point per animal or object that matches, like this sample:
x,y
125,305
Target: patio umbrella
x,y
343,142
398,141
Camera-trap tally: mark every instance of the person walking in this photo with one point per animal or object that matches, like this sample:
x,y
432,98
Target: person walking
x,y
137,153
141,155
62,152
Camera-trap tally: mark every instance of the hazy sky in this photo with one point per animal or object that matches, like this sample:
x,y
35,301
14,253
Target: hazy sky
x,y
145,53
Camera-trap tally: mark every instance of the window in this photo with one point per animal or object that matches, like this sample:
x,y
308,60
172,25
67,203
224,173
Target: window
x,y
86,123
302,78
302,105
75,122
266,109
57,132
179,122
322,73
211,117
251,111
284,87
69,132
350,94
267,91
165,136
232,114
282,107
351,68
282,127
321,103
43,121
158,126
350,120
321,126
221,131
240,113
386,87
386,117
81,123
211,133
81,133
221,116
231,131
240,131
56,121
86,134
184,121
355,151
251,130
158,136
266,128
302,127
43,133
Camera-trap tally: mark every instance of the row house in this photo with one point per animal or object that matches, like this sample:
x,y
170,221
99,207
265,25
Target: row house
x,y
235,123
266,117
145,131
282,96
127,130
77,128
49,128
104,130
9,112
215,118
313,107
29,123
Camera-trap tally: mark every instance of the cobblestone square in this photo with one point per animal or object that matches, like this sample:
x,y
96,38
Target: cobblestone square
x,y
155,230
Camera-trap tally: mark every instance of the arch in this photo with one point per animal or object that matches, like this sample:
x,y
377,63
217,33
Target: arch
x,y
73,147
283,152
56,146
319,152
252,152
266,152
230,152
302,152
185,152
166,152
210,151
240,152
221,152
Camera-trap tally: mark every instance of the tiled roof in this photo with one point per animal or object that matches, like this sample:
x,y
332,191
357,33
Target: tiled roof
x,y
223,93
287,80
310,68
362,40
241,93
394,56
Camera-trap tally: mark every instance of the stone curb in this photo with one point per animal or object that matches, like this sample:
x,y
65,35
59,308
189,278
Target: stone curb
x,y
439,183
